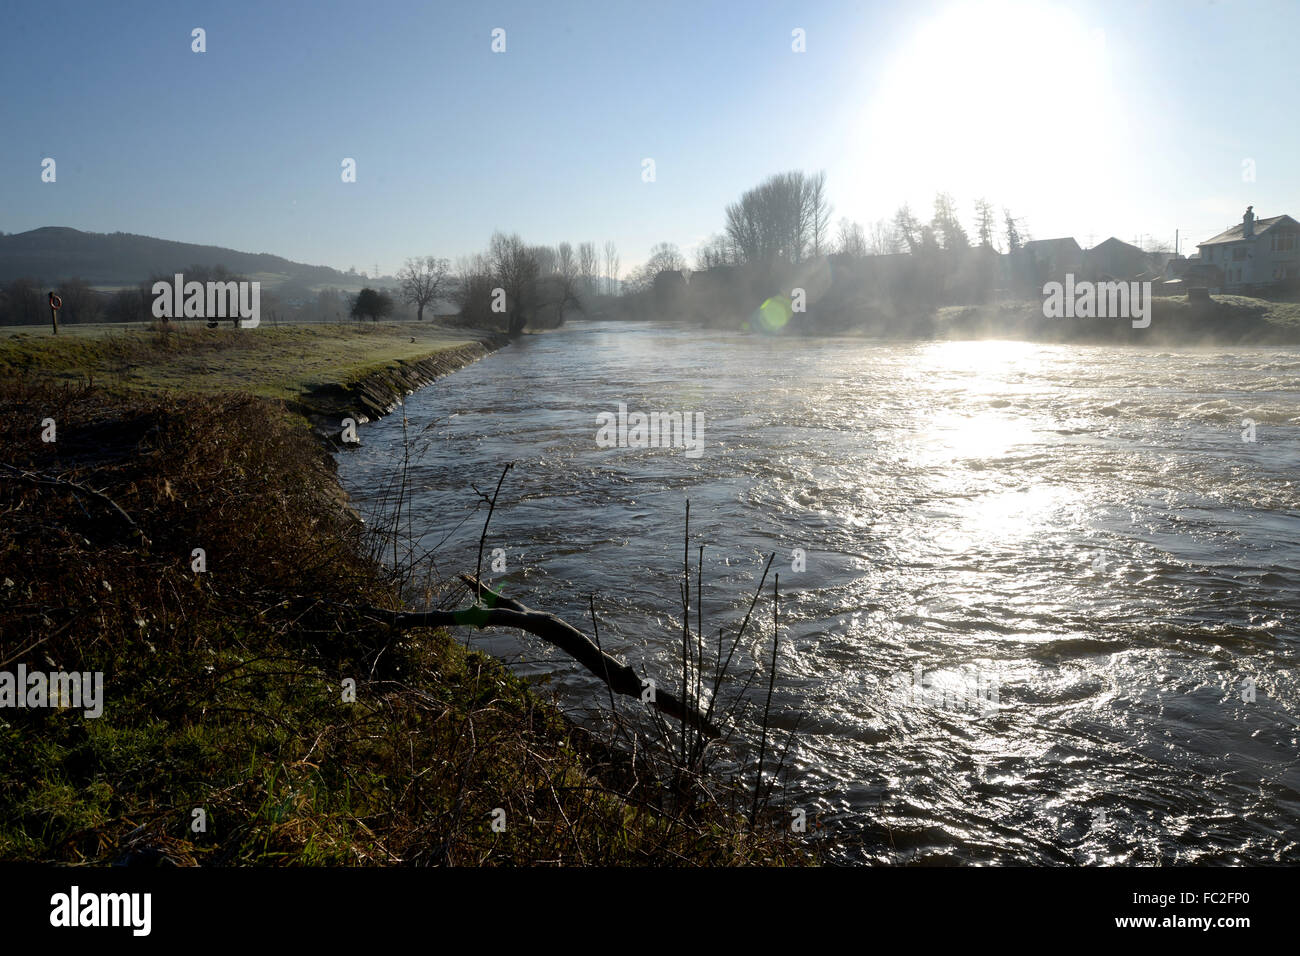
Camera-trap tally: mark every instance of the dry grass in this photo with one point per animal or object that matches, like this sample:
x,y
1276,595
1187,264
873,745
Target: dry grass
x,y
224,689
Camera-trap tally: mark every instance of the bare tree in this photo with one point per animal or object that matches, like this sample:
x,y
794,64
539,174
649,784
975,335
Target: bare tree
x,y
818,211
422,281
852,241
611,267
947,226
23,300
883,239
547,259
472,291
664,257
515,267
985,222
928,243
566,279
330,304
588,266
715,251
81,303
777,218
1012,227
907,228
566,262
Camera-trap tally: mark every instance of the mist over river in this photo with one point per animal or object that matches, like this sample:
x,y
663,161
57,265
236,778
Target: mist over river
x,y
1051,604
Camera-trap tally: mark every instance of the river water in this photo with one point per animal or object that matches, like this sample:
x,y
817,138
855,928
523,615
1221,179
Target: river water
x,y
1049,604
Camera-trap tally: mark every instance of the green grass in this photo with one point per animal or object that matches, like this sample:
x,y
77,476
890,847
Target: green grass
x,y
277,363
223,689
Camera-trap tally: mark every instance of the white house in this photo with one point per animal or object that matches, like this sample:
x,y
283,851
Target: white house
x,y
1254,254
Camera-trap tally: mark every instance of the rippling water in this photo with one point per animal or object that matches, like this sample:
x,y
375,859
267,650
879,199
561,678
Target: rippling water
x,y
1041,581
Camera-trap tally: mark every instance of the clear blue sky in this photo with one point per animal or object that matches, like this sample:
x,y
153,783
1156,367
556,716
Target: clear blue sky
x,y
1087,119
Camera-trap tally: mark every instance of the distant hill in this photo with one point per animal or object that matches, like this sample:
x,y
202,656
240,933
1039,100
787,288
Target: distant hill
x,y
112,260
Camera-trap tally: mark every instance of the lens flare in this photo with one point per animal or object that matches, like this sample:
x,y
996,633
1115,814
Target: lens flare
x,y
772,315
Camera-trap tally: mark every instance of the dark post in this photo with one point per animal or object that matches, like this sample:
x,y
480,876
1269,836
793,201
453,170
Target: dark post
x,y
55,304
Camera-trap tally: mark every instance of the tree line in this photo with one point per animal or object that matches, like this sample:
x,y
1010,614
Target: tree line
x,y
786,218
510,285
23,301
782,223
521,284
778,236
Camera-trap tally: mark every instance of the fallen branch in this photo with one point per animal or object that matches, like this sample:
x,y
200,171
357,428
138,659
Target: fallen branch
x,y
505,612
35,478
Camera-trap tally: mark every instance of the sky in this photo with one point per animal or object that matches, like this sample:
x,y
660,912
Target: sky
x,y
1090,119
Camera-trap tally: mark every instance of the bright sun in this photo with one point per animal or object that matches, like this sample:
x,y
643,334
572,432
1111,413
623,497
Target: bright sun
x,y
1001,99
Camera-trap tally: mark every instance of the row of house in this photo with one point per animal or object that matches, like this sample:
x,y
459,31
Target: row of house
x,y
1256,255
1111,260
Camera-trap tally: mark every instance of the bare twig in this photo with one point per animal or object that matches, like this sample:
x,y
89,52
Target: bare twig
x,y
35,478
767,706
506,612
595,630
478,568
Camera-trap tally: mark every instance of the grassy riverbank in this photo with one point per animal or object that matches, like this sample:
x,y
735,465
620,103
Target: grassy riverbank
x,y
226,690
287,363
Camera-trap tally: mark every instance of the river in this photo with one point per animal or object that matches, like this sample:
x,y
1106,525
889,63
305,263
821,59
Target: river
x,y
1047,604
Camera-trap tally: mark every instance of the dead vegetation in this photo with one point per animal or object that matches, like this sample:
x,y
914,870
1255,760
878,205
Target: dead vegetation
x,y
226,690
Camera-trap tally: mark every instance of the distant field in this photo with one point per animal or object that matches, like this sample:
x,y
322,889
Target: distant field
x,y
280,363
90,329
102,329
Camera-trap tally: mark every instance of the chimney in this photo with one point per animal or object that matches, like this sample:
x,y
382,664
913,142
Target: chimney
x,y
1248,223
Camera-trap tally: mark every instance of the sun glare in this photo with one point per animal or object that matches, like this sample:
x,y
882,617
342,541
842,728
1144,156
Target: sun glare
x,y
1003,99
